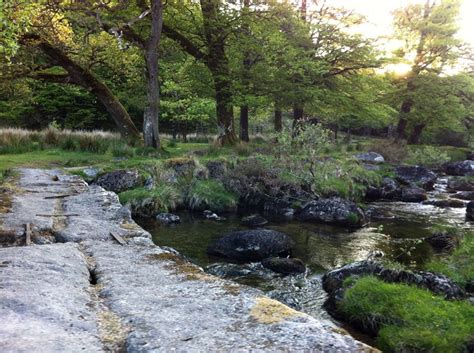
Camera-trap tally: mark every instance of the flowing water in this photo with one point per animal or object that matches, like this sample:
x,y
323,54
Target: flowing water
x,y
321,247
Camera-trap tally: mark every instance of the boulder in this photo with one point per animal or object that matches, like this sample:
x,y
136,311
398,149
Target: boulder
x,y
286,266
119,180
149,183
389,189
417,175
253,221
460,168
464,195
278,210
91,172
216,169
333,211
377,214
251,245
443,241
436,283
370,157
470,211
168,218
413,194
208,214
461,184
445,203
182,166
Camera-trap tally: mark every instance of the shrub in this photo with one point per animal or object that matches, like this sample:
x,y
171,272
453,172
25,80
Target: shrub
x,y
210,194
427,156
409,319
393,151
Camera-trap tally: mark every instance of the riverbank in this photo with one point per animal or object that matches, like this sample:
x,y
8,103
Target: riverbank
x,y
75,288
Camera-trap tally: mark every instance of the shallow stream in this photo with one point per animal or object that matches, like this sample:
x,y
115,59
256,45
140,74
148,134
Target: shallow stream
x,y
321,247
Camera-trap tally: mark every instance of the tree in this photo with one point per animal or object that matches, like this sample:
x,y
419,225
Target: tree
x,y
111,19
45,32
428,32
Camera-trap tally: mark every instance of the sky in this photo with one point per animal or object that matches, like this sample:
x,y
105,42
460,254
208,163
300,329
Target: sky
x,y
379,17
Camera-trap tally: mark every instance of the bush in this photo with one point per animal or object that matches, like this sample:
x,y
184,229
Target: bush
x,y
393,151
427,156
210,194
409,319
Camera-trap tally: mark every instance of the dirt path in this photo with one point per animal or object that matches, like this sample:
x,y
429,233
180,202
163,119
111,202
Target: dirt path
x,y
77,289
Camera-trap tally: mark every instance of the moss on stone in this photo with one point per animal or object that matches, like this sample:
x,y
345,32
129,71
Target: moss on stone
x,y
269,311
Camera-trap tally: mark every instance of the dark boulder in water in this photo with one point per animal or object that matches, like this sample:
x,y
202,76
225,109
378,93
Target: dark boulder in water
x,y
253,221
464,195
168,218
470,211
436,283
278,210
460,184
388,189
333,211
445,203
413,194
460,168
416,175
443,241
286,266
251,245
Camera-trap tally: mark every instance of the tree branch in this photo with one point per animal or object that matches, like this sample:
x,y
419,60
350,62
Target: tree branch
x,y
184,42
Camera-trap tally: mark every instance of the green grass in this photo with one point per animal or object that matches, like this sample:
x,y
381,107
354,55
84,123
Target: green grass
x,y
165,197
459,265
409,319
210,194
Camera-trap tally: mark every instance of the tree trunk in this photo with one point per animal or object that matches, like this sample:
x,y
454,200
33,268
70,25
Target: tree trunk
x,y
218,63
402,122
298,114
224,111
152,109
278,122
244,123
416,134
86,79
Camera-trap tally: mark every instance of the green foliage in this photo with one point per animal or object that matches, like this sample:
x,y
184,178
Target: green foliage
x,y
203,194
459,265
409,319
427,156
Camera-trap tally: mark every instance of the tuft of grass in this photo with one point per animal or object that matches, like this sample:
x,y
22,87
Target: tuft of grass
x,y
409,319
210,194
164,197
459,265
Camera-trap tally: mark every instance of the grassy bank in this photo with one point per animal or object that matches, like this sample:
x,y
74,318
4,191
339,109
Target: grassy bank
x,y
409,319
459,265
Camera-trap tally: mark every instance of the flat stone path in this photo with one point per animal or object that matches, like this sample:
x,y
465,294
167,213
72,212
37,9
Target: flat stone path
x,y
84,292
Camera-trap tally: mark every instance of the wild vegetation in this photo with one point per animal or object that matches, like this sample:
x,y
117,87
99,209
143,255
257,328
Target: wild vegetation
x,y
258,106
